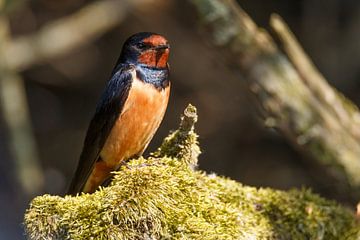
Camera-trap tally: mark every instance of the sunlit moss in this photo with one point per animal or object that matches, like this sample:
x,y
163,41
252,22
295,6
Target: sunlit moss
x,y
162,197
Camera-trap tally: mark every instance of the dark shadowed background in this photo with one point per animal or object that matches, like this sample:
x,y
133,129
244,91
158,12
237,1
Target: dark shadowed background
x,y
62,93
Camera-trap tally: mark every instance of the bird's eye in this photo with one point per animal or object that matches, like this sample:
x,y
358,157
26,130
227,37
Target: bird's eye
x,y
142,46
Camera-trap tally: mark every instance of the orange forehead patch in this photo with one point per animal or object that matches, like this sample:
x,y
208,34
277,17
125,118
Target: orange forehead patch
x,y
155,40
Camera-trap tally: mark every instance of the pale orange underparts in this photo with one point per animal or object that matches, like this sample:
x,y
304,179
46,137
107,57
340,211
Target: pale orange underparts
x,y
141,116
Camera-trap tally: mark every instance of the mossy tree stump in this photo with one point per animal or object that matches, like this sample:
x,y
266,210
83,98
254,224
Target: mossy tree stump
x,y
164,197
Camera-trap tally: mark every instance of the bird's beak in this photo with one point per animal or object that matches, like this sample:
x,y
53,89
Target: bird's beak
x,y
162,47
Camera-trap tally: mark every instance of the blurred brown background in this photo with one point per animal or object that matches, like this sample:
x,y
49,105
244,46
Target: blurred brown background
x,y
62,93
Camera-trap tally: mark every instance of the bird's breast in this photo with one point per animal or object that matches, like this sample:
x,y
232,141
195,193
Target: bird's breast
x,y
140,117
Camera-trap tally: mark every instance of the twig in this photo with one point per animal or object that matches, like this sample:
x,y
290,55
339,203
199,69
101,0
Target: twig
x,y
346,112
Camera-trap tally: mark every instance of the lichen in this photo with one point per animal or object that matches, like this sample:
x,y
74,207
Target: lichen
x,y
163,197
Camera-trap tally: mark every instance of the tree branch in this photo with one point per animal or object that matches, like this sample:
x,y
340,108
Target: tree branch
x,y
62,36
15,111
296,100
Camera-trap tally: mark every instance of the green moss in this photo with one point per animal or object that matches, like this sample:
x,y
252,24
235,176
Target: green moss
x,y
162,197
182,143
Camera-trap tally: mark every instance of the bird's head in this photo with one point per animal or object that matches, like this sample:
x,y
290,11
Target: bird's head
x,y
145,48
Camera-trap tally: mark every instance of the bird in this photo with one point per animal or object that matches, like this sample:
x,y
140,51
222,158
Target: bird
x,y
128,113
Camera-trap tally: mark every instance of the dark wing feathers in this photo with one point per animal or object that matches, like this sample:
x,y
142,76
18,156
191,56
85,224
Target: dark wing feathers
x,y
106,114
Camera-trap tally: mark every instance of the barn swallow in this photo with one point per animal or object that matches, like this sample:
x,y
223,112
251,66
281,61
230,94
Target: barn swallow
x,y
129,112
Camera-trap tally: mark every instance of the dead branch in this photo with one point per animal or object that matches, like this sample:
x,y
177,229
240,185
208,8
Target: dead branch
x,y
294,96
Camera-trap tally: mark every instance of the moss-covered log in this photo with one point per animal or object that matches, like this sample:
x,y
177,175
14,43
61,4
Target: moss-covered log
x,y
163,197
293,96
